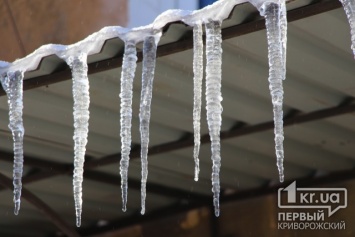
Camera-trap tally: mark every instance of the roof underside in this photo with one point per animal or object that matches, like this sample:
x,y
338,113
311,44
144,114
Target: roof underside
x,y
320,71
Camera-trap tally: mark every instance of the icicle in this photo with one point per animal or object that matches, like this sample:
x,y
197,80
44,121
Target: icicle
x,y
128,70
349,7
149,60
78,65
12,83
276,27
283,28
198,76
213,101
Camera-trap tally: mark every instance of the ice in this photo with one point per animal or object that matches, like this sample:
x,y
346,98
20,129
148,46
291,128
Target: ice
x,y
92,44
4,64
349,7
213,101
198,76
149,60
283,27
168,16
12,82
128,70
276,26
76,57
78,65
218,11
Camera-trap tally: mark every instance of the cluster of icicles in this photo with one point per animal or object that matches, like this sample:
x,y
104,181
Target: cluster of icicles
x,y
75,55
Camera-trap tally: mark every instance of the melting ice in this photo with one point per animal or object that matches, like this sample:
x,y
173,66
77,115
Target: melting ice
x,y
128,70
213,101
149,60
276,26
12,83
79,67
198,76
349,7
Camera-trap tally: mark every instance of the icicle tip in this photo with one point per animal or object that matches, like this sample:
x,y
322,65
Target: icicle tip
x,y
142,211
216,212
17,207
281,177
78,221
124,207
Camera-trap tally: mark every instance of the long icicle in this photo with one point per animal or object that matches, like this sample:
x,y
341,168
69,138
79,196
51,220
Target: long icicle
x,y
149,61
349,7
213,101
276,26
198,76
128,70
79,67
12,83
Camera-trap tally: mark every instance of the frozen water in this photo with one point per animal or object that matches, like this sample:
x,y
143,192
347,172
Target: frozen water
x,y
149,60
76,57
213,101
283,29
349,7
218,11
169,16
12,83
198,76
128,70
276,26
78,65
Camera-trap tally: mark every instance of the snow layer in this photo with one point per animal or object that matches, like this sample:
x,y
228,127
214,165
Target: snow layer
x,y
92,44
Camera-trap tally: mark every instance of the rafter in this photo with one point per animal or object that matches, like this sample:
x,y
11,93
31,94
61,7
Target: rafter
x,y
237,131
50,169
55,168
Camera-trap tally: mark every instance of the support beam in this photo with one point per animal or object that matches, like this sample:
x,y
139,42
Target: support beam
x,y
43,207
51,169
151,187
237,131
183,44
58,169
343,108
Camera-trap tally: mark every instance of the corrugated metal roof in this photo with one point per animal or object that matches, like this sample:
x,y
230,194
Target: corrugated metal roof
x,y
320,71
